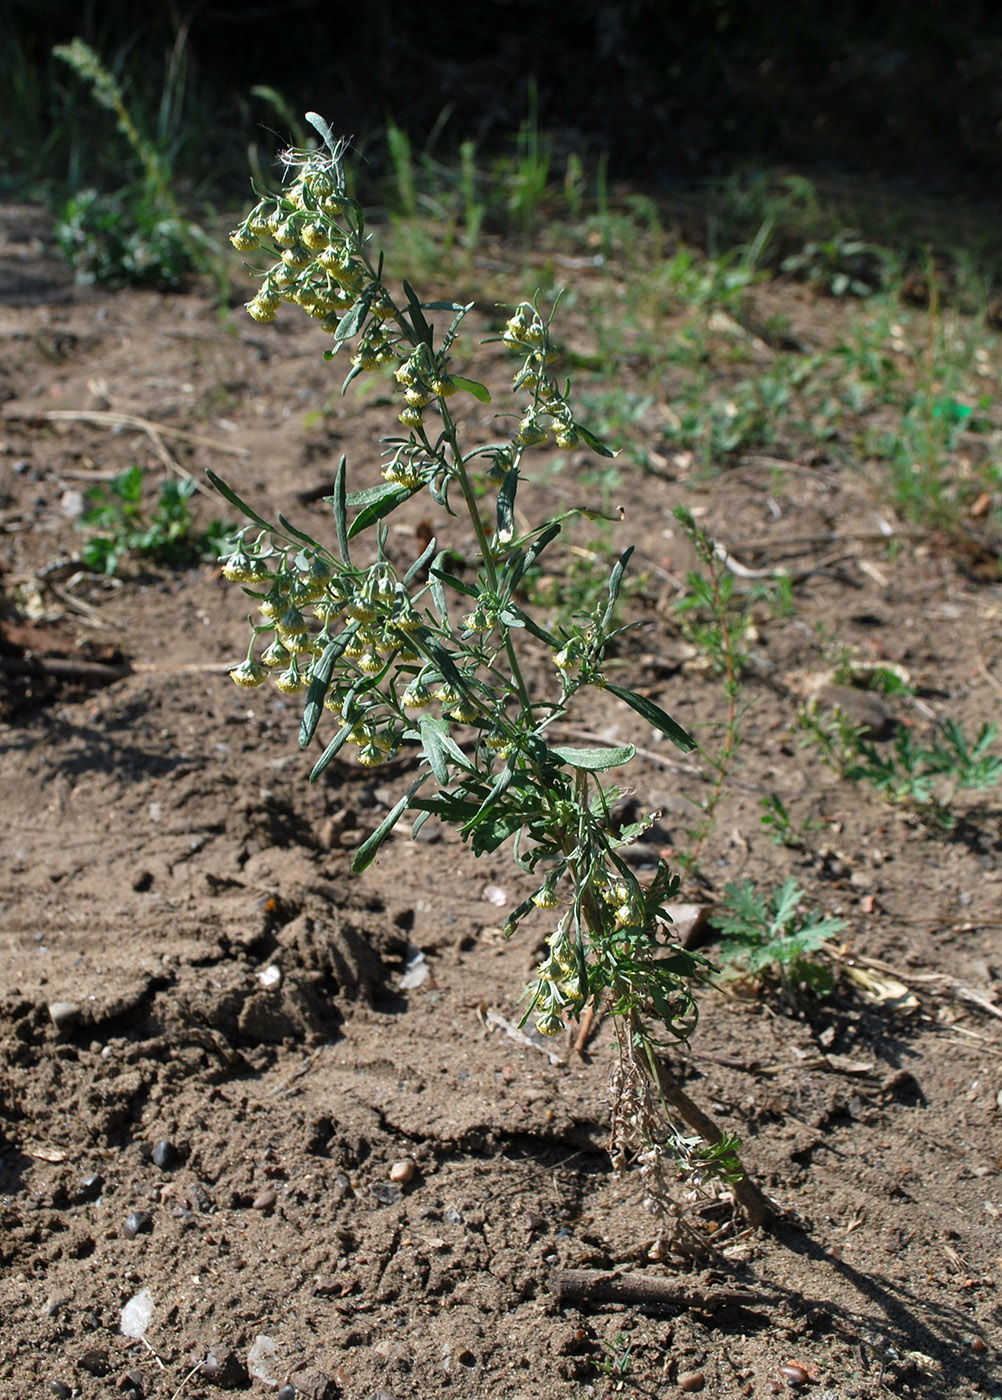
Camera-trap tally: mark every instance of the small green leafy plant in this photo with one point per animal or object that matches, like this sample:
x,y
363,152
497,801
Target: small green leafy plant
x,y
923,775
617,1359
716,622
781,826
845,265
120,528
767,935
409,658
137,234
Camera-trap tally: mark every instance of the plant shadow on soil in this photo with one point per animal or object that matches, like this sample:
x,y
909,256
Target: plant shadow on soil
x,y
188,961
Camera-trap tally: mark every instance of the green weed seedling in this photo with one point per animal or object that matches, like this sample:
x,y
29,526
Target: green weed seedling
x,y
137,234
405,657
845,265
120,528
784,831
767,935
924,776
716,624
617,1359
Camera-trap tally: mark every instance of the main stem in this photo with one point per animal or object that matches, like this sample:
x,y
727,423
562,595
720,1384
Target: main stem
x,y
753,1201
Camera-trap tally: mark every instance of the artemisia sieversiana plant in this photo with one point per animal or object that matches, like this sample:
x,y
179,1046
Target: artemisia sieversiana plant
x,y
417,660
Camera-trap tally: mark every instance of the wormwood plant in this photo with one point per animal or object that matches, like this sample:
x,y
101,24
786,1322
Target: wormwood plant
x,y
921,775
409,659
769,935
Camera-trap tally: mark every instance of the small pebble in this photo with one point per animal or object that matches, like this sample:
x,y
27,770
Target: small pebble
x,y
402,1172
264,1200
60,1389
288,1392
137,1222
793,1373
692,1380
225,1369
64,1014
203,1201
165,1155
90,1187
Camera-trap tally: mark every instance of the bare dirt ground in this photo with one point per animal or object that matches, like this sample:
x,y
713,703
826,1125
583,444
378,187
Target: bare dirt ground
x,y
209,1064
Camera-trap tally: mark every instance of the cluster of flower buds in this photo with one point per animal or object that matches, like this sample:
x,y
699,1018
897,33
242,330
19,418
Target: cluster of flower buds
x,y
313,230
425,376
560,990
579,660
409,466
527,333
623,896
377,620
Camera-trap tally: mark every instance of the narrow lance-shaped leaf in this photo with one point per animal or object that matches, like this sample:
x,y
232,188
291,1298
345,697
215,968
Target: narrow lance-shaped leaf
x,y
385,501
472,386
352,374
319,682
241,505
596,444
655,717
457,320
595,760
351,322
419,822
454,582
517,915
420,562
520,560
615,584
513,616
366,853
501,785
333,748
440,747
327,136
338,502
422,330
295,533
535,549
506,506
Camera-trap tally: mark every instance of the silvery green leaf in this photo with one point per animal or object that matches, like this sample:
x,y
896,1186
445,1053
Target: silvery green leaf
x,y
594,760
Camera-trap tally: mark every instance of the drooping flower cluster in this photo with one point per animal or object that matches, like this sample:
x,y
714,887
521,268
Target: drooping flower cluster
x,y
315,229
528,334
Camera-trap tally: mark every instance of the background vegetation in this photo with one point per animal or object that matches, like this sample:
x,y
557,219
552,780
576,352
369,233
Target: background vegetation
x,y
670,91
